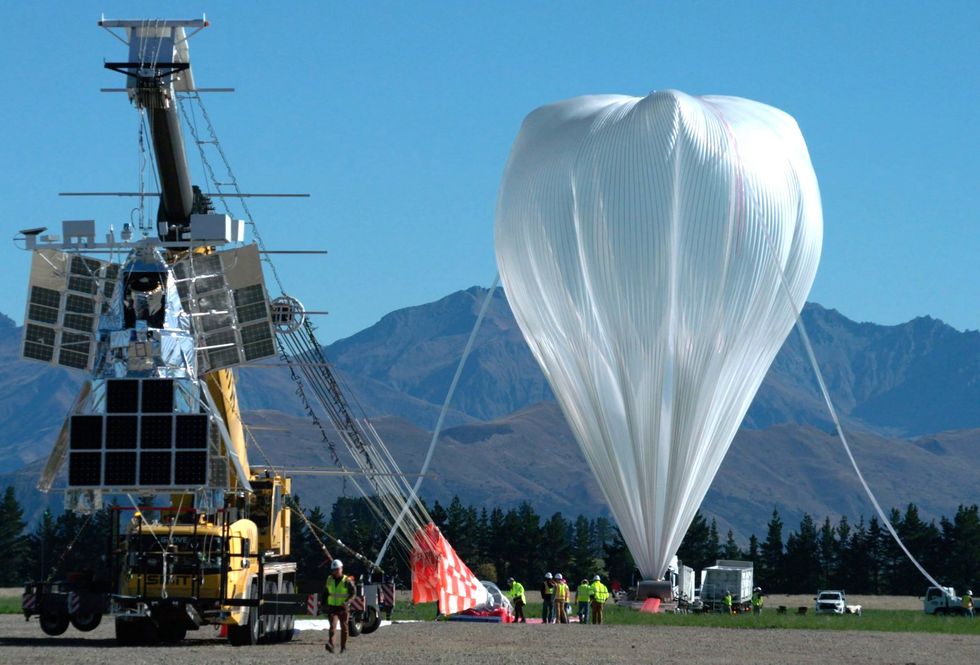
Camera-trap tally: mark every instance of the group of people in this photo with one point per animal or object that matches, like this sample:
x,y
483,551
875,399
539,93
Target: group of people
x,y
556,599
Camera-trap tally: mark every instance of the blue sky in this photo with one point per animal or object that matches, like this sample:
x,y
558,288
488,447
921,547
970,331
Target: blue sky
x,y
398,117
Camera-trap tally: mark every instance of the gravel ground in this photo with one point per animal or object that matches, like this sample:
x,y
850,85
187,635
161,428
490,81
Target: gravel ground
x,y
432,643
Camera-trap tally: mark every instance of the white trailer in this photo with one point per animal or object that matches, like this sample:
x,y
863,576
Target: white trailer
x,y
726,576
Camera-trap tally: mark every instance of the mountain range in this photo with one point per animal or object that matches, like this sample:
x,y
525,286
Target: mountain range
x,y
908,395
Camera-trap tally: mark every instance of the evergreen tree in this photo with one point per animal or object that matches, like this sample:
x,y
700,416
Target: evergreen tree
x,y
731,550
963,569
769,572
876,542
828,551
557,545
13,542
714,546
802,559
695,549
583,560
753,553
619,561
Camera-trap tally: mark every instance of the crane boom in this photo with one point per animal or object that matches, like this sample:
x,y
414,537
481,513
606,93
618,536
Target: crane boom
x,y
158,67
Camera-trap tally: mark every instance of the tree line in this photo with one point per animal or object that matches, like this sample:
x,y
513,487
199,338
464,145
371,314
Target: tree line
x,y
860,557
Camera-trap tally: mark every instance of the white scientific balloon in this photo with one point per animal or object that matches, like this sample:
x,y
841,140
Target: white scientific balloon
x,y
640,242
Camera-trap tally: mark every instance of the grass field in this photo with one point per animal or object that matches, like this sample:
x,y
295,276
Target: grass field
x,y
900,621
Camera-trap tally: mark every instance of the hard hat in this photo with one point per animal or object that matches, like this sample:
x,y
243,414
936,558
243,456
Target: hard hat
x,y
510,580
758,588
547,576
969,592
585,581
336,564
558,576
595,579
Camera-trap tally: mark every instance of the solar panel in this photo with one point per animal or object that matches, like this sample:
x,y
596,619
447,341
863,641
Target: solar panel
x,y
157,396
120,469
122,395
224,291
142,441
63,304
85,469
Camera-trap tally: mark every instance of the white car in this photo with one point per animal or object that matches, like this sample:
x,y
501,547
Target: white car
x,y
830,602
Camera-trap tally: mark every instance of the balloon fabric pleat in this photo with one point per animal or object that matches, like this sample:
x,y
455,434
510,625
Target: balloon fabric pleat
x,y
631,238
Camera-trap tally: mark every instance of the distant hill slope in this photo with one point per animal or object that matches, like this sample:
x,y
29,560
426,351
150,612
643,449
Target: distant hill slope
x,y
506,438
531,456
916,378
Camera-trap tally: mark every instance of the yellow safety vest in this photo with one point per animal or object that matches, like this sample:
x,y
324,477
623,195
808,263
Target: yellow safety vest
x,y
757,600
338,591
517,591
967,602
599,592
583,593
561,592
727,600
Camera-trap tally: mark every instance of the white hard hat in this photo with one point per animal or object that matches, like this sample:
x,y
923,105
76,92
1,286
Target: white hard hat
x,y
558,576
547,576
969,592
336,564
595,579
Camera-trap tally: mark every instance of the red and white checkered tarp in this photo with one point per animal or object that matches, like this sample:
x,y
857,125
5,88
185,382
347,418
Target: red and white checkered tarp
x,y
438,574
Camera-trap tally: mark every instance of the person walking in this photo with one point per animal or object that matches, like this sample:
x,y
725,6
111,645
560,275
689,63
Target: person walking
x,y
757,601
967,604
517,597
727,601
548,599
339,592
598,599
582,595
561,598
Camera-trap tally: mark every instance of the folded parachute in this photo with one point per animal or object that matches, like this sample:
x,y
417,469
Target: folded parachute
x,y
438,574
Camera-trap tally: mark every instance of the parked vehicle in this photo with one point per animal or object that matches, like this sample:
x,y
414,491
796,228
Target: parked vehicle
x,y
726,575
830,602
942,600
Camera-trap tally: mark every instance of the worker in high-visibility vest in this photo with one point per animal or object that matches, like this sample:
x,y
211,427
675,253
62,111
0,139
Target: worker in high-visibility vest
x,y
600,594
516,592
757,601
561,598
967,604
340,590
727,602
548,599
582,597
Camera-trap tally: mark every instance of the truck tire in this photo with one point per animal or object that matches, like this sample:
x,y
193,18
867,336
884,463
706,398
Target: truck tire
x,y
86,621
288,620
247,635
372,621
54,624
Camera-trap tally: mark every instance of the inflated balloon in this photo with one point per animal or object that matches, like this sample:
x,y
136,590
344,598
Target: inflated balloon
x,y
654,251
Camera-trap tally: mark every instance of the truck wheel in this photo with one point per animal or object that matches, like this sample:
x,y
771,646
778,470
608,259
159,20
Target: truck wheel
x,y
86,621
372,621
288,620
247,635
355,623
54,624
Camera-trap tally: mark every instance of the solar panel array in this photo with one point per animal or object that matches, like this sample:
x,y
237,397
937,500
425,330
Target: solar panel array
x,y
65,297
225,294
139,441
